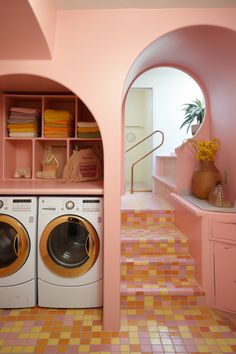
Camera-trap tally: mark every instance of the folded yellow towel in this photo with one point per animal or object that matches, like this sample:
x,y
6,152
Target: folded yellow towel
x,y
28,125
53,113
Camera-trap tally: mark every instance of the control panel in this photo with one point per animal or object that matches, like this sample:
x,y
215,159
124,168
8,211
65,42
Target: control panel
x,y
91,205
21,204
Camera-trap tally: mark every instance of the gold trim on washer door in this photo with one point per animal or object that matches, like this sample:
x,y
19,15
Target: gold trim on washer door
x,y
92,239
21,246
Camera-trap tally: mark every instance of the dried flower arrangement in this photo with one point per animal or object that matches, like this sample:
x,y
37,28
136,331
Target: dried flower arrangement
x,y
204,150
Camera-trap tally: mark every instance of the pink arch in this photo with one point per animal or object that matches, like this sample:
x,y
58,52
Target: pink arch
x,y
208,54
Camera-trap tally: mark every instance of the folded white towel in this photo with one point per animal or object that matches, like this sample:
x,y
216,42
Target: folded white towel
x,y
23,135
87,124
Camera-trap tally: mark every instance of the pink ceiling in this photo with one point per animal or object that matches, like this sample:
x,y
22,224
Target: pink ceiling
x,y
27,29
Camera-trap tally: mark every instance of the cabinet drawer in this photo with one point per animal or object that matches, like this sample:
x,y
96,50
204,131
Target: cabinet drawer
x,y
225,276
225,231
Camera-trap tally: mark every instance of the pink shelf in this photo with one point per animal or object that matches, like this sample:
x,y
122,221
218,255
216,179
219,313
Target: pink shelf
x,y
50,187
30,152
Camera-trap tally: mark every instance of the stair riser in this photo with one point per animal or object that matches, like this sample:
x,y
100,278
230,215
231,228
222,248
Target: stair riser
x,y
146,248
159,301
149,273
134,218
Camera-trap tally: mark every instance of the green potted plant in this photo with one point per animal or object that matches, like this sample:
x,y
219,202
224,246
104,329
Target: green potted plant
x,y
193,111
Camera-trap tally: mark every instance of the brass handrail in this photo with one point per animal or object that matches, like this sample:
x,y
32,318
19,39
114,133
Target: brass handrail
x,y
141,158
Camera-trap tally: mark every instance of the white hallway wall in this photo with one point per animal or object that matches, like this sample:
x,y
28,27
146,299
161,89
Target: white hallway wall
x,y
138,124
171,89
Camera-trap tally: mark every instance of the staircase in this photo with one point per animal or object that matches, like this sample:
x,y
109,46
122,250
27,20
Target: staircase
x,y
156,267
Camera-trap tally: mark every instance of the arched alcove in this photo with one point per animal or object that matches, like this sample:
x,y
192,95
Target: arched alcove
x,y
29,148
208,54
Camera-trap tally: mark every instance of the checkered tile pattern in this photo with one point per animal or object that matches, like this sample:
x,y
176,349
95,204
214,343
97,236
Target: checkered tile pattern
x,y
177,329
147,217
156,267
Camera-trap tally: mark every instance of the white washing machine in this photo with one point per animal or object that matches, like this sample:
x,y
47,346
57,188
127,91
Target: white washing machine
x,y
70,252
18,231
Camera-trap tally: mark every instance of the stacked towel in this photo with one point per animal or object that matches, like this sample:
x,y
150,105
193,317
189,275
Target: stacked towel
x,y
88,130
23,122
58,123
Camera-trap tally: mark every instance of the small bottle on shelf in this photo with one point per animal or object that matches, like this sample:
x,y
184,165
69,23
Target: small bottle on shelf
x,y
216,195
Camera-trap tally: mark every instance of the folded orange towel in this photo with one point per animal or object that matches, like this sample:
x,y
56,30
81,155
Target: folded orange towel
x,y
14,130
58,129
87,129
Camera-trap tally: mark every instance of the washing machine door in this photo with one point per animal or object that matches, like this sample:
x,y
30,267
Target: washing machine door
x,y
69,246
14,245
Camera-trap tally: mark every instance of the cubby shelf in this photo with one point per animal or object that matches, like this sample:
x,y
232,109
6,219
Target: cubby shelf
x,y
29,152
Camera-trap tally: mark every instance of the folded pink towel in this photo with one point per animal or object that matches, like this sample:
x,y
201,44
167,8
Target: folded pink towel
x,y
24,110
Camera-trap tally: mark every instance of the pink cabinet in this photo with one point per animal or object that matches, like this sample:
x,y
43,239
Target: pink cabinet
x,y
225,276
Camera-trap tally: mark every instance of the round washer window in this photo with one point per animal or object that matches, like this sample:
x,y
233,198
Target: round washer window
x,y
14,245
7,242
67,244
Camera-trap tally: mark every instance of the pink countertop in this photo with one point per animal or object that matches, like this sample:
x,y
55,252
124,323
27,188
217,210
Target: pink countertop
x,y
52,187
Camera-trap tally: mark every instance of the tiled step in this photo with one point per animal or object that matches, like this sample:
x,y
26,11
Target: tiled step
x,y
152,240
149,269
146,217
142,301
166,290
156,267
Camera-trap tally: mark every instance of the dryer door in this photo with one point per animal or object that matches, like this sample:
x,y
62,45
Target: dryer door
x,y
14,245
69,246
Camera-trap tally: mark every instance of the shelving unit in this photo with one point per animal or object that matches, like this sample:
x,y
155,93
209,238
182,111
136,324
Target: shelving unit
x,y
22,152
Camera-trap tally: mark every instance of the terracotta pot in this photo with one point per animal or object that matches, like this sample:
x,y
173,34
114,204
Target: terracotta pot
x,y
204,179
195,128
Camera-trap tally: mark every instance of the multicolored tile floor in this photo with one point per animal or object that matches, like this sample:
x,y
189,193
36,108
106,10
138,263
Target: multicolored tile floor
x,y
164,330
170,326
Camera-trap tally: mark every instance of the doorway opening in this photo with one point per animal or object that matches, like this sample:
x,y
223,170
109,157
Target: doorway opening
x,y
156,101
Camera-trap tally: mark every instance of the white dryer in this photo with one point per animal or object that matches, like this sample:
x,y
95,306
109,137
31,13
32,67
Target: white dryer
x,y
18,230
70,252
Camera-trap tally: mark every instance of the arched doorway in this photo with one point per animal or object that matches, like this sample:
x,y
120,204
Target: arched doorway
x,y
165,99
210,62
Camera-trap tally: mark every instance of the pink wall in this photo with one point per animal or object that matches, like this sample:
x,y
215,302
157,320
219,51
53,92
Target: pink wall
x,y
93,52
45,13
190,224
21,37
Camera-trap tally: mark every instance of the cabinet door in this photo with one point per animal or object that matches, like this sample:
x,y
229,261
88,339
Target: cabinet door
x,y
225,276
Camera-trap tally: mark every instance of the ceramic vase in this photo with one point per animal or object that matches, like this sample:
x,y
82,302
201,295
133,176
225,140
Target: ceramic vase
x,y
204,179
